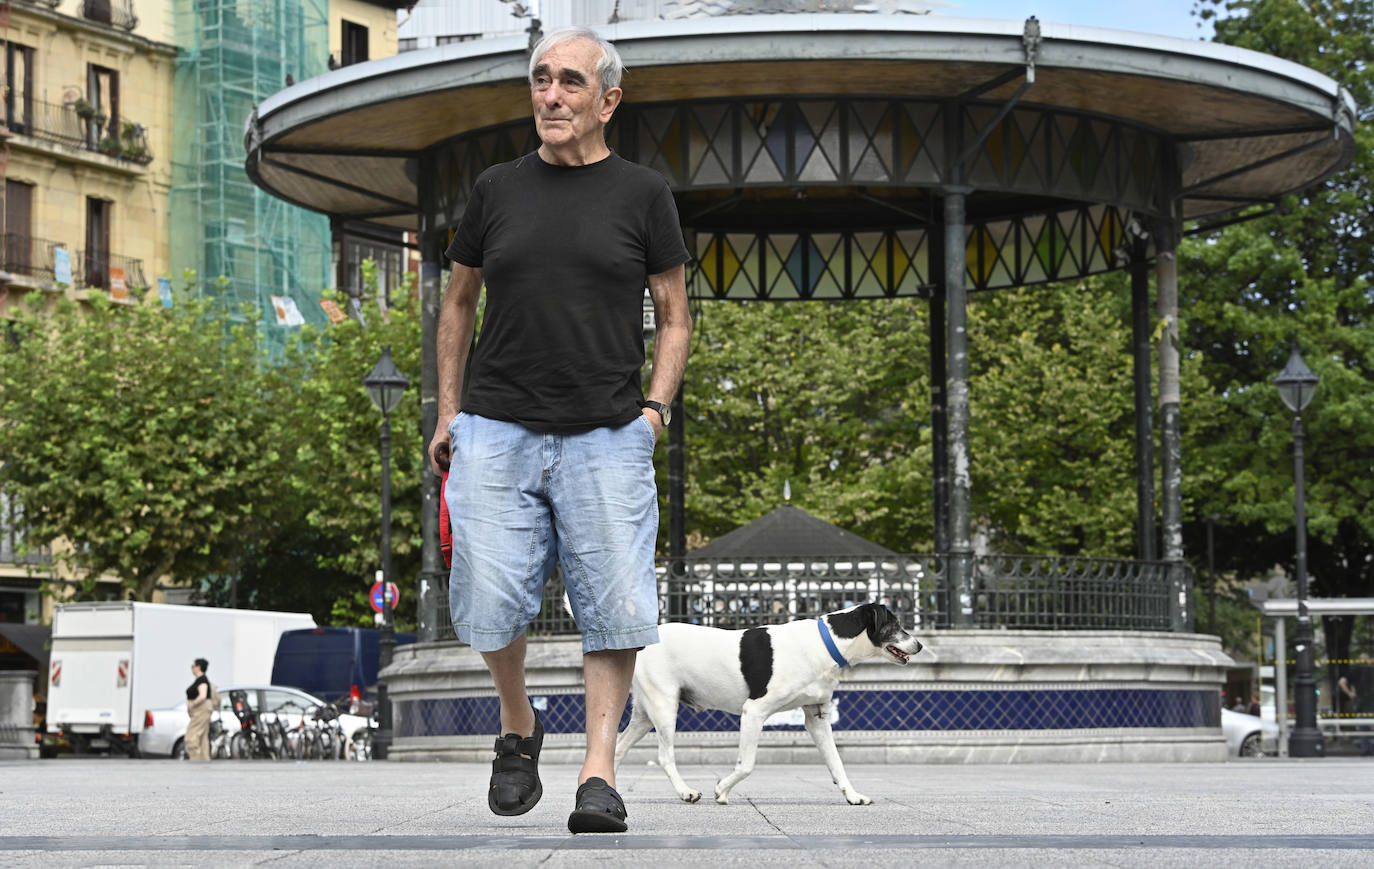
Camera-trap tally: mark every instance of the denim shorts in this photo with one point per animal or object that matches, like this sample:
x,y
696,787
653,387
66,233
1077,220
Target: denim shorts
x,y
520,502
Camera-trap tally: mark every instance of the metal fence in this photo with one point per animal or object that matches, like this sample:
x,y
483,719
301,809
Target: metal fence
x,y
1013,592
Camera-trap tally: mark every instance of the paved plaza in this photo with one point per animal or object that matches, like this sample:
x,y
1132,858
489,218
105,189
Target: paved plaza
x,y
116,812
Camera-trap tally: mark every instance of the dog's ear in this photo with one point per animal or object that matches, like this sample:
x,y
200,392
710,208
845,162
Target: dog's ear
x,y
877,616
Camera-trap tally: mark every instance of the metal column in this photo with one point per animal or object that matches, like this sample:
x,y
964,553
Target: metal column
x,y
1281,682
939,417
433,576
959,567
1171,470
1146,547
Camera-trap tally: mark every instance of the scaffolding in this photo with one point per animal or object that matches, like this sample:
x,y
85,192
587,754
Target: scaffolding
x,y
244,244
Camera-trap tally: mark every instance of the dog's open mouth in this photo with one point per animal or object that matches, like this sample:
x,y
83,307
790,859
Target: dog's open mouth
x,y
902,657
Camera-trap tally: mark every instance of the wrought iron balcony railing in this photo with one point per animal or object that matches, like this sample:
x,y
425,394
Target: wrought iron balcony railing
x,y
78,125
120,13
91,270
35,257
1013,592
25,255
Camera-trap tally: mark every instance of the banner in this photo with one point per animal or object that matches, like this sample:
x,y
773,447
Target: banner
x,y
287,312
118,290
62,266
336,314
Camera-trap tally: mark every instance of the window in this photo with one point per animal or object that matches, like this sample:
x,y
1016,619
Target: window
x,y
19,90
16,214
102,88
410,43
97,10
354,43
97,264
456,37
389,261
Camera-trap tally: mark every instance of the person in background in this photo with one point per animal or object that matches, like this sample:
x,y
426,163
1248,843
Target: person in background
x,y
198,706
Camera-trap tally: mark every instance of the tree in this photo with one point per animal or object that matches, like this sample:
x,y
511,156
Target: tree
x,y
335,464
1302,274
831,399
136,434
1053,418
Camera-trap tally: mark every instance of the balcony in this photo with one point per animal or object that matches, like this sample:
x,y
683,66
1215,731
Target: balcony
x,y
34,258
119,13
91,270
78,125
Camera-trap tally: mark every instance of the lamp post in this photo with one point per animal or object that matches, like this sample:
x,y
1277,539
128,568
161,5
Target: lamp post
x,y
385,386
1296,385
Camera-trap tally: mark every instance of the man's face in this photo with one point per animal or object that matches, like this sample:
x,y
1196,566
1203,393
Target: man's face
x,y
567,107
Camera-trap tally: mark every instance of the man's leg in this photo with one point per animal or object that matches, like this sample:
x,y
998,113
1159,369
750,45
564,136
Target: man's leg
x,y
607,675
507,668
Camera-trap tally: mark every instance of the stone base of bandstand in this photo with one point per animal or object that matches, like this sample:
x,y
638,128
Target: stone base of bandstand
x,y
972,696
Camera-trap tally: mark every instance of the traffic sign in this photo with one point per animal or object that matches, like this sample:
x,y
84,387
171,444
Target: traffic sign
x,y
393,593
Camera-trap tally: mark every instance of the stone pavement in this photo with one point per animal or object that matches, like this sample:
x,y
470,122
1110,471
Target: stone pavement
x,y
1269,812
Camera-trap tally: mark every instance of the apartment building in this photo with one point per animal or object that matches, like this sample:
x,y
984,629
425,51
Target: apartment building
x,y
122,162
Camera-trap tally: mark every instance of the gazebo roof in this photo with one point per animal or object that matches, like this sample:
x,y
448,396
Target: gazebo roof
x,y
789,532
1243,126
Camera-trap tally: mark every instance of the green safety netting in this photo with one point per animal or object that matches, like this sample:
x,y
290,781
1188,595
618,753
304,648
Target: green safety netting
x,y
234,53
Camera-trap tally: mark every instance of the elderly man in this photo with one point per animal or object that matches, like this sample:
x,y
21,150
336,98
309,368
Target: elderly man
x,y
552,446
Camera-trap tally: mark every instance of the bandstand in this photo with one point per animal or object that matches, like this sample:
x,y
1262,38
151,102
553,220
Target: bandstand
x,y
839,158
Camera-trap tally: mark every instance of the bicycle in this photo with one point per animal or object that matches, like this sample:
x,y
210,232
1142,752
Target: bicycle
x,y
251,740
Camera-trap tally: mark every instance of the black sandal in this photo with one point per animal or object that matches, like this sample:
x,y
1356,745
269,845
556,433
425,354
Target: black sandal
x,y
599,809
515,785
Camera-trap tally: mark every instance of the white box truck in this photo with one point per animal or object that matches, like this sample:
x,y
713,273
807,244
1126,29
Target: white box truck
x,y
111,661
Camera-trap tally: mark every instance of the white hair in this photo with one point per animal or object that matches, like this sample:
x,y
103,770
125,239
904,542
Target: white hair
x,y
608,70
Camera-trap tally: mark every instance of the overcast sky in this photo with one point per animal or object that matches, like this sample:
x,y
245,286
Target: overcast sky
x,y
1167,17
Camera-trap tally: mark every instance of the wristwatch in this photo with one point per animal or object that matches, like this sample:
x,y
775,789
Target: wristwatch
x,y
665,411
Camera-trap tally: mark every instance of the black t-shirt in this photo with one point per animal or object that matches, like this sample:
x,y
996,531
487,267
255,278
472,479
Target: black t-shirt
x,y
194,691
564,252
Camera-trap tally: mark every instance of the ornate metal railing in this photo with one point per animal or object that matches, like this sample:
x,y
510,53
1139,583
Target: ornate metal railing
x,y
79,125
1013,592
91,270
1050,592
120,13
26,255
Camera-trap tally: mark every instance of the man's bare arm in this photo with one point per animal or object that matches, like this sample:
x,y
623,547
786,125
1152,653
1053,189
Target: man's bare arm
x,y
672,337
457,319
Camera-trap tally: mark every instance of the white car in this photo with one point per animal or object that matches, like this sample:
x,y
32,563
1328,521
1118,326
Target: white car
x,y
1248,735
164,730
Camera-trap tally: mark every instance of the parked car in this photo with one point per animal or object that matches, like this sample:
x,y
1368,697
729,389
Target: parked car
x,y
1248,735
333,663
164,730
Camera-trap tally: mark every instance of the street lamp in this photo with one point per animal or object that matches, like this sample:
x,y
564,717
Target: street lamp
x,y
1296,385
385,386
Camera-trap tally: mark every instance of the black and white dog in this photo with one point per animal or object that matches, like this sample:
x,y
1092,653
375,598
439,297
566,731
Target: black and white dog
x,y
755,673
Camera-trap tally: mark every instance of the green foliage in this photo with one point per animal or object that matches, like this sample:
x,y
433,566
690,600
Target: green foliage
x,y
1301,275
832,399
325,552
138,435
1053,419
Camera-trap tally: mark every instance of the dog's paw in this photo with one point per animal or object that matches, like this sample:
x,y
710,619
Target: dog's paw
x,y
690,796
855,798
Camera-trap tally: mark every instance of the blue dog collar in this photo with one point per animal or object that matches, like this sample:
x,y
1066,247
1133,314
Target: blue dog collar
x,y
830,643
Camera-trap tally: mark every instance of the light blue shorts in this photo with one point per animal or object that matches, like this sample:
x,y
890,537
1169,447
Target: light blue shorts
x,y
520,501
